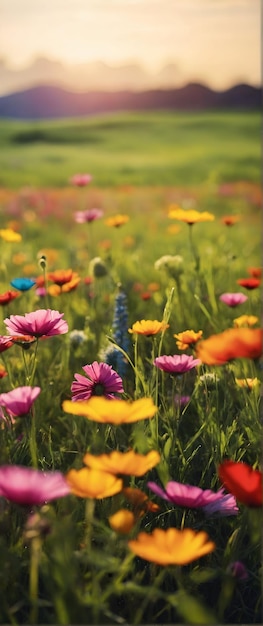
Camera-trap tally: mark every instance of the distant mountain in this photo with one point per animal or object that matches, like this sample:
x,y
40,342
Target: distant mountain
x,y
47,102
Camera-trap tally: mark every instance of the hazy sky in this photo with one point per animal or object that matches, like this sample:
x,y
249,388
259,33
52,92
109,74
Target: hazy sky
x,y
217,41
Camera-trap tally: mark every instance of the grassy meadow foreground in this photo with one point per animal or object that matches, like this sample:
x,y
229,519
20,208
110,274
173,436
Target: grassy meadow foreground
x,y
130,439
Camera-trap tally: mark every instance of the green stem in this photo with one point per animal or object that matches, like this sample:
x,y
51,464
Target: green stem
x,y
35,555
89,513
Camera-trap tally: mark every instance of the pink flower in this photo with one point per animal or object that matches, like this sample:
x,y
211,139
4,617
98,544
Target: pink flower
x,y
5,343
195,497
18,402
176,364
233,299
238,570
41,323
25,485
90,215
102,381
81,180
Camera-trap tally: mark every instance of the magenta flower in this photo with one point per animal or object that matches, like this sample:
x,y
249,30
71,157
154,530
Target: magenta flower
x,y
196,498
18,402
233,299
181,401
90,215
176,364
25,485
102,381
5,343
41,323
81,180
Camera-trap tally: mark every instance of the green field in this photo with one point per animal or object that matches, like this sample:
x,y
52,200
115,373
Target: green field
x,y
156,148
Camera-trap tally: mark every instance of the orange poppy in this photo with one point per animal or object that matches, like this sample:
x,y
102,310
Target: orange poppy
x,y
190,216
148,327
7,297
117,220
256,272
123,462
91,483
187,338
244,482
232,343
172,546
56,290
230,220
249,283
122,521
108,411
60,277
139,500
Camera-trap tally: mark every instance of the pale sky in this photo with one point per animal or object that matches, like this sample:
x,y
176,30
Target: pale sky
x,y
217,41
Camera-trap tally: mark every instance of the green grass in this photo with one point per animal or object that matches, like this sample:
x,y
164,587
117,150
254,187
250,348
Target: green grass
x,y
135,148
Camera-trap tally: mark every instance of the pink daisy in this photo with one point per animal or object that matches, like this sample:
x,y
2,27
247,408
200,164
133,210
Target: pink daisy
x,y
28,486
100,380
176,364
41,323
195,497
90,215
18,402
233,299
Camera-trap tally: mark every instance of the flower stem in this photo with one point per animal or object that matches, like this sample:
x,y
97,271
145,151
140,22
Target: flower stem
x,y
35,555
89,513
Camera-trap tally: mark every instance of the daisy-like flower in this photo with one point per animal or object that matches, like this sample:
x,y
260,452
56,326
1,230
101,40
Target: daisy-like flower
x,y
249,283
18,402
90,483
22,284
197,498
172,546
187,338
106,411
122,521
40,323
245,320
61,277
128,463
244,482
9,235
176,364
148,327
190,216
232,343
28,486
5,343
81,180
117,220
230,220
90,215
100,380
233,299
7,297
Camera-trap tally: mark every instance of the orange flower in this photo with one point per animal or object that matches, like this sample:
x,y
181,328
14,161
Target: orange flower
x,y
148,327
255,272
99,409
230,220
56,290
172,546
117,220
60,277
242,481
247,383
190,216
233,343
8,296
90,483
187,338
139,500
249,283
245,320
153,287
122,521
123,462
3,371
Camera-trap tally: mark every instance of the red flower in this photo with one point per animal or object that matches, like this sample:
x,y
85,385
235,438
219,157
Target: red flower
x,y
8,296
249,283
242,481
256,272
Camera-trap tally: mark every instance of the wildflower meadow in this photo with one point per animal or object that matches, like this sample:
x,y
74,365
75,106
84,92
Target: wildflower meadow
x,y
130,366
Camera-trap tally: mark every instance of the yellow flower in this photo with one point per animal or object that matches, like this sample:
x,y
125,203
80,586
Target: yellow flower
x,y
117,220
247,383
187,338
172,546
190,216
123,462
139,501
245,320
107,411
91,483
10,235
122,521
148,327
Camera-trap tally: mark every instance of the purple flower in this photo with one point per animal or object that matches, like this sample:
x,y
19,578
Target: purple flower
x,y
238,570
90,215
100,380
181,401
176,364
195,497
41,323
233,299
18,402
25,485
